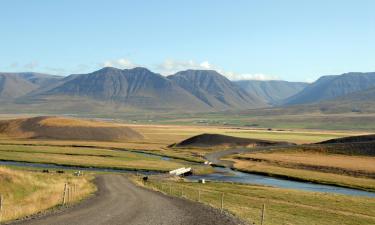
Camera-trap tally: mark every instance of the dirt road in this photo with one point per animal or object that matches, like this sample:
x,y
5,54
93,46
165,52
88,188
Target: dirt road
x,y
215,157
118,201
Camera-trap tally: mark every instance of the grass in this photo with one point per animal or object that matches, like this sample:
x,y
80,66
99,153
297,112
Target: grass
x,y
26,192
342,170
88,157
282,206
168,134
71,122
333,162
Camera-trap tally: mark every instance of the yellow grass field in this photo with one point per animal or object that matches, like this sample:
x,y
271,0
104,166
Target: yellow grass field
x,y
360,164
25,193
350,171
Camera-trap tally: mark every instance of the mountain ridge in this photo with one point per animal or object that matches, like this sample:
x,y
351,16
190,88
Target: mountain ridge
x,y
273,91
333,86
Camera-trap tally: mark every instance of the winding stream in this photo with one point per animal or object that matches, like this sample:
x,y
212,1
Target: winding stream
x,y
221,174
229,175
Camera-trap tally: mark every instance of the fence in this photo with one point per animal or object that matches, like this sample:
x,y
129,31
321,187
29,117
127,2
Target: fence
x,y
247,208
70,194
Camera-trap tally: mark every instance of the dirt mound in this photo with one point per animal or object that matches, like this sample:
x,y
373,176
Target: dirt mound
x,y
212,140
66,129
351,139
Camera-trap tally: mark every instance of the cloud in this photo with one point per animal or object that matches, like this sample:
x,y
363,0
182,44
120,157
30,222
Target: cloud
x,y
31,65
169,67
311,80
119,63
248,76
55,70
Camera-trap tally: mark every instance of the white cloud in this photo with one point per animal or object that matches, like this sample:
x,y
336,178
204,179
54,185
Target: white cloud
x,y
248,76
311,80
31,65
171,66
206,65
120,63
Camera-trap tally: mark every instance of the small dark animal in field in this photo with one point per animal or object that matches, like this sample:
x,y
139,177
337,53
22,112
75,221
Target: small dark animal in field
x,y
45,171
60,171
145,179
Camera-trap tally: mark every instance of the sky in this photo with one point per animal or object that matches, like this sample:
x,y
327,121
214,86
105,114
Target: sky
x,y
291,40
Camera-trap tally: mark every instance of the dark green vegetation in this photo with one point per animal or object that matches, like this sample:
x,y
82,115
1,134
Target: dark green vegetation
x,y
353,139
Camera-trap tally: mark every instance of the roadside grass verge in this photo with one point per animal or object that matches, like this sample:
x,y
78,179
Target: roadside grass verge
x,y
26,193
282,206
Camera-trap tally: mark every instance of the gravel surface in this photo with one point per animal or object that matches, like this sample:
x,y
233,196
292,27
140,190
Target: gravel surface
x,y
215,157
119,201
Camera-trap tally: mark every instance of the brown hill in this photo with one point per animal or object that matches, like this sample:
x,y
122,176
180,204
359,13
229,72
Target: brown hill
x,y
351,139
212,140
66,129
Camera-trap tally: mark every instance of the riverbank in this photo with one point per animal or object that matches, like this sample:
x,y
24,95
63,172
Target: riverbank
x,y
332,169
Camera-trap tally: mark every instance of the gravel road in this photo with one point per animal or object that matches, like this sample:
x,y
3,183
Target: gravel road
x,y
119,201
215,157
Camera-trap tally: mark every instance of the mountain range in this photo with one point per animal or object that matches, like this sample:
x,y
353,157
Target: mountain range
x,y
110,89
331,87
273,91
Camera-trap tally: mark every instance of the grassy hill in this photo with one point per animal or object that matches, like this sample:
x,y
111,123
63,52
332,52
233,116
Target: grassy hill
x,y
66,129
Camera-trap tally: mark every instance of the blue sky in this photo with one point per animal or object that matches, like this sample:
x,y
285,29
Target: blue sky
x,y
283,39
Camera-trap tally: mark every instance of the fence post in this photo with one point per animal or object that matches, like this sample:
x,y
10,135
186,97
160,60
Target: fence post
x,y
75,191
222,202
1,207
64,194
263,214
68,194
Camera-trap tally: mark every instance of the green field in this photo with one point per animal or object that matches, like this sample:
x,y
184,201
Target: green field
x,y
87,157
282,206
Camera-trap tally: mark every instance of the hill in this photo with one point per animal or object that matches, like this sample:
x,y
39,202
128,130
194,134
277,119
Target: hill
x,y
212,140
15,85
66,129
351,139
332,87
272,91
